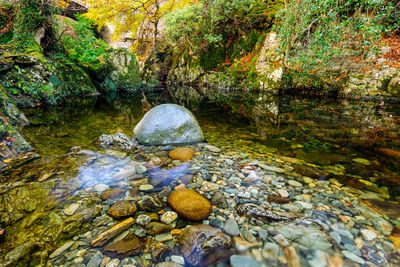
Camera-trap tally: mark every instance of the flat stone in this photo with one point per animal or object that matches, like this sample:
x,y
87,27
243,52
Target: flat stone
x,y
126,247
95,261
292,257
163,237
368,234
112,193
270,250
101,187
178,259
283,192
61,249
383,226
271,168
146,187
155,228
212,148
71,209
294,183
353,257
231,227
240,261
281,240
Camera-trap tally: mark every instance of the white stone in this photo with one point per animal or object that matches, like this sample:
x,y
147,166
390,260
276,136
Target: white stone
x,y
169,217
212,148
145,187
71,209
101,187
368,234
178,259
283,192
113,263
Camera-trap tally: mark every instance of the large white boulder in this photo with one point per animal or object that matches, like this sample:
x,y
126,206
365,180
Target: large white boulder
x,y
168,124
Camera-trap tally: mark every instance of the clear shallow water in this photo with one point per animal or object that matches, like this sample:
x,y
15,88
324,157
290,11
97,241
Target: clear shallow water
x,y
332,136
323,140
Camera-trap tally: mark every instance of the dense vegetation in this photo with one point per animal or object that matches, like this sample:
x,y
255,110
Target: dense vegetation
x,y
313,32
219,36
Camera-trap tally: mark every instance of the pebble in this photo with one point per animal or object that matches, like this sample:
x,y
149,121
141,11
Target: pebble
x,y
95,261
143,219
294,183
212,148
71,209
169,217
178,259
231,227
282,192
61,249
270,250
383,226
140,169
146,187
368,234
240,261
101,187
113,263
353,257
281,240
229,161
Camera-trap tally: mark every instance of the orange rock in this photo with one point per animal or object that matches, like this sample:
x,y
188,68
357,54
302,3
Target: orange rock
x,y
176,231
335,261
344,219
396,240
189,204
293,259
182,153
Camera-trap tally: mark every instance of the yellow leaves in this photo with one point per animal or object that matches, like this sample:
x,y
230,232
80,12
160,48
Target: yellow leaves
x,y
7,161
134,19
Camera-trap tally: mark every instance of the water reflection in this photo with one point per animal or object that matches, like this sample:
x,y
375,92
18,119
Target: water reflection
x,y
329,134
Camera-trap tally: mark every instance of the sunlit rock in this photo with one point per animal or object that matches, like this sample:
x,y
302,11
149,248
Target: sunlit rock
x,y
168,124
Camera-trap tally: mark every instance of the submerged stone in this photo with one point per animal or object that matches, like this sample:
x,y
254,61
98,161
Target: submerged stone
x,y
204,245
168,124
189,204
182,153
126,247
118,141
122,209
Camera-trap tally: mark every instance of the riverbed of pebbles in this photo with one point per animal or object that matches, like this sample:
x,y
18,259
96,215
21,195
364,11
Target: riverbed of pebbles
x,y
225,209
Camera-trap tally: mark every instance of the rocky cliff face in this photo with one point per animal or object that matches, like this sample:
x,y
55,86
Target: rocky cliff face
x,y
348,75
42,74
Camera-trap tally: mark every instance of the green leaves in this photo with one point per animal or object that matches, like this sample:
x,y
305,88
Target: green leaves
x,y
313,32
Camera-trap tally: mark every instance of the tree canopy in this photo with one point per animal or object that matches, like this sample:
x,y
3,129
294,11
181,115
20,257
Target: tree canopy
x,y
139,18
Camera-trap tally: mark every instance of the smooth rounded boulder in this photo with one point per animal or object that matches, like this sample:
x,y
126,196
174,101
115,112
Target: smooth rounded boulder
x,y
168,124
